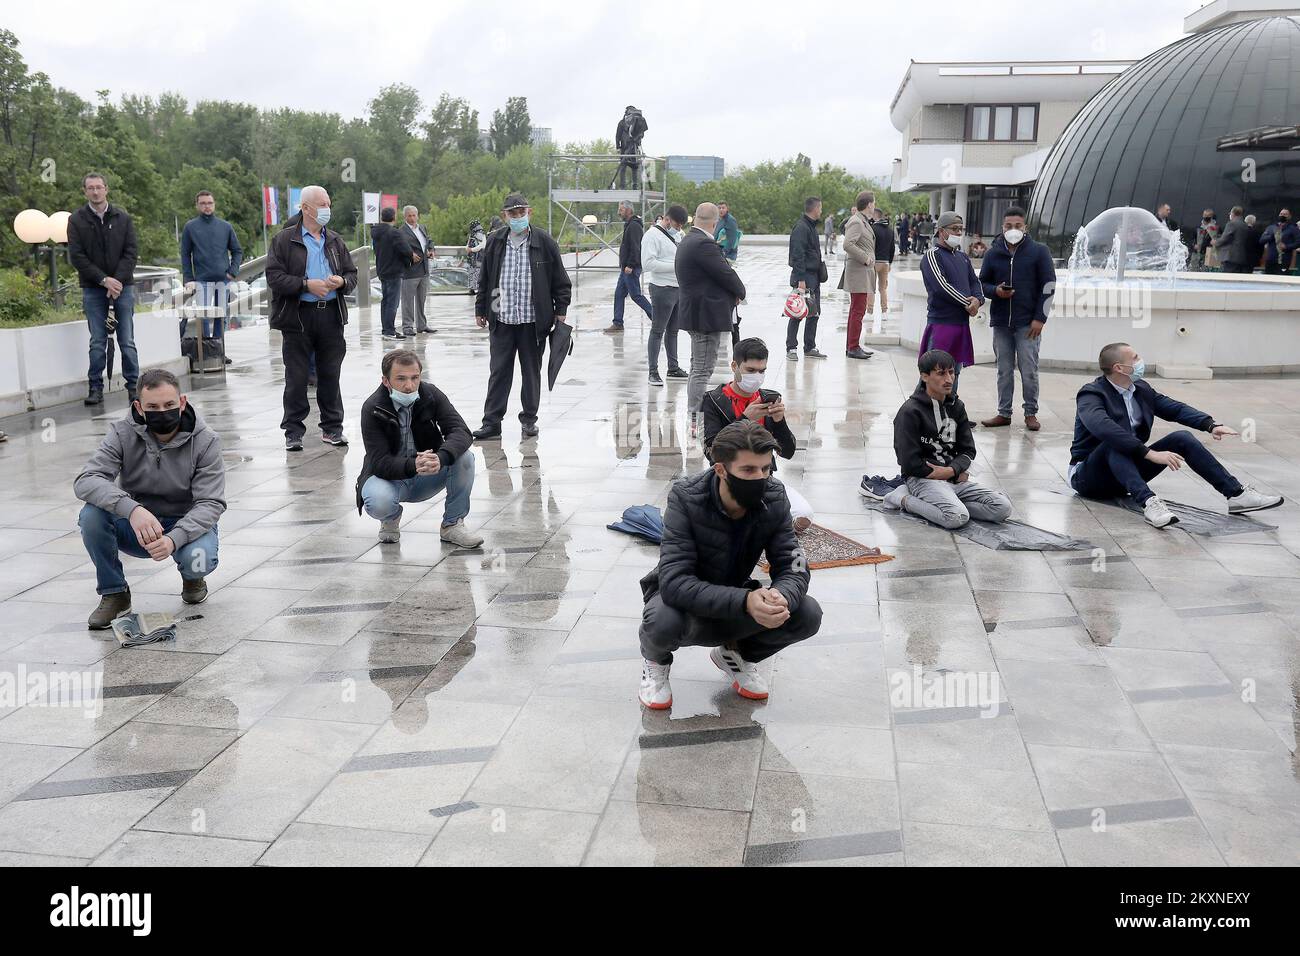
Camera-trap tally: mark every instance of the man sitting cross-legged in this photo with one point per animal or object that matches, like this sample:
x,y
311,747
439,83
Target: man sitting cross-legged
x,y
745,397
416,445
702,593
1110,456
935,448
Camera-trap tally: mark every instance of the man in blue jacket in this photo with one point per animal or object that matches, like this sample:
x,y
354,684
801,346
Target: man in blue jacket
x,y
1110,456
1018,279
1281,240
727,233
210,258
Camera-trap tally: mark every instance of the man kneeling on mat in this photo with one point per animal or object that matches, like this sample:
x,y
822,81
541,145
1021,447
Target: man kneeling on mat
x,y
935,448
702,593
1110,456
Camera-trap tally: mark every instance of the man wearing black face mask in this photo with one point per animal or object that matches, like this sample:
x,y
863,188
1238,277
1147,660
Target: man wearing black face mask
x,y
703,593
154,489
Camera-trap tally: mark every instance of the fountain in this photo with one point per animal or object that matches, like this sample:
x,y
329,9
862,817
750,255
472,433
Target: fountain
x,y
1133,287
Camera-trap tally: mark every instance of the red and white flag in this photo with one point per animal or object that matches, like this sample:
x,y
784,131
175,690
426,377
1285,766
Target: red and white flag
x,y
270,205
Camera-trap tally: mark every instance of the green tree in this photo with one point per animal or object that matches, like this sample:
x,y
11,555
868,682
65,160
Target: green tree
x,y
512,126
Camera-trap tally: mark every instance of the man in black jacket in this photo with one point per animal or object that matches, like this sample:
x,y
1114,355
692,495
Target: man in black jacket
x,y
102,247
935,448
806,275
416,445
627,140
415,276
702,593
523,291
629,264
1232,243
392,256
745,398
309,271
708,292
1110,456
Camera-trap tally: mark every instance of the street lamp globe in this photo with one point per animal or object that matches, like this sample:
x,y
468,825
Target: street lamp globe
x,y
32,226
59,226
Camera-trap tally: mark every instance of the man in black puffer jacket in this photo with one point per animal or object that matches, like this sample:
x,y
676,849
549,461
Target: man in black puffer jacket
x,y
702,593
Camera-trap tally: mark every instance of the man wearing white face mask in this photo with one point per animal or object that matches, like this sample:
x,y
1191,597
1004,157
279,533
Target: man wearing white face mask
x,y
954,295
416,445
745,398
658,257
1019,279
1110,456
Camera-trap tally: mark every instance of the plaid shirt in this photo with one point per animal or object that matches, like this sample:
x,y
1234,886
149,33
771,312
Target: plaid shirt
x,y
516,290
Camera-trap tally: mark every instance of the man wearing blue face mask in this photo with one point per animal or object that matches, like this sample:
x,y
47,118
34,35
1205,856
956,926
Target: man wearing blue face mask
x,y
1110,456
416,445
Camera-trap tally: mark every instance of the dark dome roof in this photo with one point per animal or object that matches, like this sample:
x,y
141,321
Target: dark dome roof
x,y
1150,135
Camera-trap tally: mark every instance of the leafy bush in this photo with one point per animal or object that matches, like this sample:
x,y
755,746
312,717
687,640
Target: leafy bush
x,y
21,301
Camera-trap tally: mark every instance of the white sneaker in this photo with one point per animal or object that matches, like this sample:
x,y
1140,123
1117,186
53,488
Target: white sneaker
x,y
656,692
460,536
1252,499
390,531
1157,513
745,678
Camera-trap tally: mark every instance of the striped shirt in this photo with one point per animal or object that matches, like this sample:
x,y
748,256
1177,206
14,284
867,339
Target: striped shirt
x,y
404,426
515,295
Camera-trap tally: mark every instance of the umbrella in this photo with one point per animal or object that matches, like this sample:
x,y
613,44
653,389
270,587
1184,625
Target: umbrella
x,y
644,521
561,338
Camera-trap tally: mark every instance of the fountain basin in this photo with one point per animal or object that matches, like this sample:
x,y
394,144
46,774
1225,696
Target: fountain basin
x,y
1201,323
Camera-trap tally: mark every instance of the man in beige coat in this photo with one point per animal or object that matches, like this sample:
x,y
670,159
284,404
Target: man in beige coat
x,y
859,277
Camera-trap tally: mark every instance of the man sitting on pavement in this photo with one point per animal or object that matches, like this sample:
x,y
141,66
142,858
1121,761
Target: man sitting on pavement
x,y
935,448
1110,456
702,592
154,489
745,398
416,445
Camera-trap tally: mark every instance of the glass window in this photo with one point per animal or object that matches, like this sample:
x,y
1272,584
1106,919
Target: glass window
x,y
1002,123
979,123
1025,117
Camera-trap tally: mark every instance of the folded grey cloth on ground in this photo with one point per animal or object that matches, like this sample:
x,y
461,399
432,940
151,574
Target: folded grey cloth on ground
x,y
1009,535
1199,521
134,629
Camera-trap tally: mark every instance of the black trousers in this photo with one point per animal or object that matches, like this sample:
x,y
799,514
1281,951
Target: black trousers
x,y
664,629
322,335
506,342
809,323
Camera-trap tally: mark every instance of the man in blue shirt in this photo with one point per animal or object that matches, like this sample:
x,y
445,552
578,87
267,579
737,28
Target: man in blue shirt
x,y
210,258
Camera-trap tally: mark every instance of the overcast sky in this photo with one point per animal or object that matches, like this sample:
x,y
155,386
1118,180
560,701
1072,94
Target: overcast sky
x,y
744,80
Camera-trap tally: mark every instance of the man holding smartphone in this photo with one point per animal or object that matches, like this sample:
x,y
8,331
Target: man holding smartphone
x,y
1018,279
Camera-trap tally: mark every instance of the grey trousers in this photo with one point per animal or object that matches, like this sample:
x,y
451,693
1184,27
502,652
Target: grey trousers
x,y
1014,349
704,359
663,325
951,505
414,292
664,629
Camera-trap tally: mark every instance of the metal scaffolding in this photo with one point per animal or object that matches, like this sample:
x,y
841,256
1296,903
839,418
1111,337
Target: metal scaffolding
x,y
573,183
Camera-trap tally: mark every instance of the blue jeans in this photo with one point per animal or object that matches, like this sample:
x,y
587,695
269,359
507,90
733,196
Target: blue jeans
x,y
383,498
1107,473
94,302
629,285
1014,349
105,535
215,295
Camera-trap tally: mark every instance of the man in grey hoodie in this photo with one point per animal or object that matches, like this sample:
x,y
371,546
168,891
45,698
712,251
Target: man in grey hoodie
x,y
154,489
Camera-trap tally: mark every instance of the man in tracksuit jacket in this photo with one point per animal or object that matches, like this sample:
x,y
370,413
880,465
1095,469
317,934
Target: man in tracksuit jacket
x,y
935,448
953,295
629,264
1019,280
154,489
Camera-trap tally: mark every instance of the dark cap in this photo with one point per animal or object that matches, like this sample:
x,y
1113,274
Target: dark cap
x,y
514,201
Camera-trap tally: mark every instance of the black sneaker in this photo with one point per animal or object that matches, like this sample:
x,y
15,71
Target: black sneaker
x,y
195,591
487,432
334,438
655,379
528,431
293,444
678,373
95,396
131,395
814,353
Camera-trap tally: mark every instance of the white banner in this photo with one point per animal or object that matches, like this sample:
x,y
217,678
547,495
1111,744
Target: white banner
x,y
371,202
